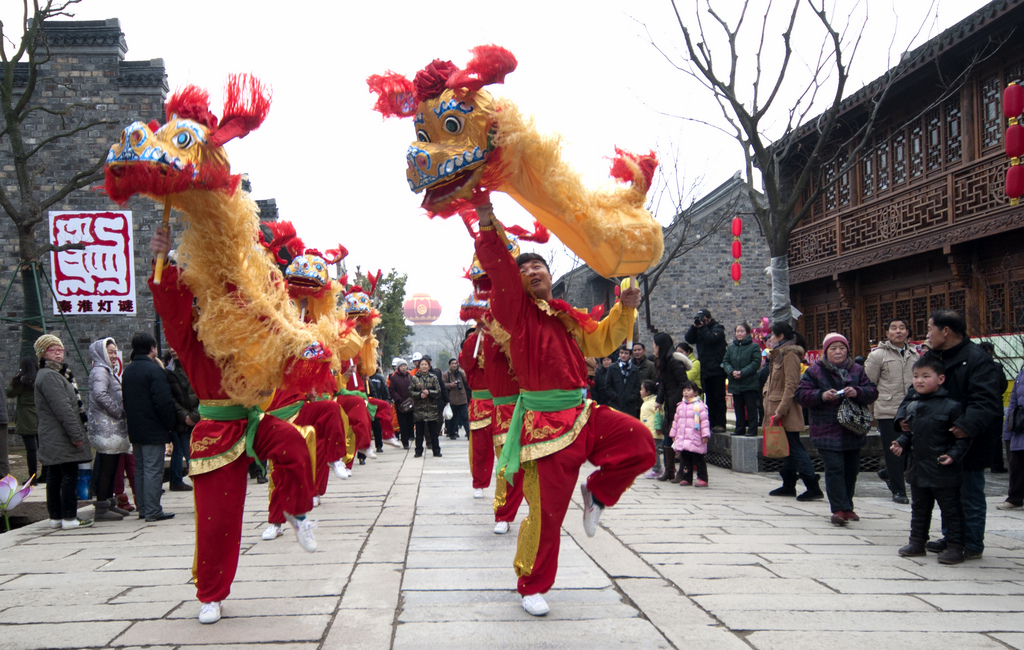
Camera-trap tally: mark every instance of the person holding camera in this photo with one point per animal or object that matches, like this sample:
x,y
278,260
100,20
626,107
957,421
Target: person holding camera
x,y
458,397
709,337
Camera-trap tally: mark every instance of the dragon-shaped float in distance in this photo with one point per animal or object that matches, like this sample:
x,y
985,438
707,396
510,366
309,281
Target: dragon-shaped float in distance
x,y
469,143
245,319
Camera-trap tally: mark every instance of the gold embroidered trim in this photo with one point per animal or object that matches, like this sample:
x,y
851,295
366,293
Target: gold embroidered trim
x,y
479,424
500,486
568,322
529,530
204,465
350,437
548,447
499,440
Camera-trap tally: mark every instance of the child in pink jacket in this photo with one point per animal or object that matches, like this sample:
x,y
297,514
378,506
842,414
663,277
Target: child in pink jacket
x,y
690,433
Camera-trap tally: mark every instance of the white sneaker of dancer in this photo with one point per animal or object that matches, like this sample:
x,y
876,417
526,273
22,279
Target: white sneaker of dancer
x,y
394,442
209,612
478,493
303,531
273,531
535,605
591,511
501,528
368,452
339,469
316,501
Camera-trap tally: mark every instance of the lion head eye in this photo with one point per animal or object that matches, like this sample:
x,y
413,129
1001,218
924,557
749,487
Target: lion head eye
x,y
422,136
184,140
452,124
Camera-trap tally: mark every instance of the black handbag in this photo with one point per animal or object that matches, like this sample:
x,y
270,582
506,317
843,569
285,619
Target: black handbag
x,y
1017,426
854,417
405,405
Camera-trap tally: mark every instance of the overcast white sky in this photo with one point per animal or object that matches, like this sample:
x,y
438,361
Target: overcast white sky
x,y
586,70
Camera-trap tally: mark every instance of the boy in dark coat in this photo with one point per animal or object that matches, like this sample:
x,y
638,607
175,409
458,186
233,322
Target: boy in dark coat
x,y
936,465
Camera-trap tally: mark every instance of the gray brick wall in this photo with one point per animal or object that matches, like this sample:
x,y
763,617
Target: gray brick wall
x,y
86,67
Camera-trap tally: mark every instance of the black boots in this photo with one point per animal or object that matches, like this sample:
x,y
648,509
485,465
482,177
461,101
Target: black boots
x,y
914,548
813,492
670,464
788,488
954,554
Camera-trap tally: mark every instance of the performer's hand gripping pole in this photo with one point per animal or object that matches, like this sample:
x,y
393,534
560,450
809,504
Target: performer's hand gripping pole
x,y
161,257
629,283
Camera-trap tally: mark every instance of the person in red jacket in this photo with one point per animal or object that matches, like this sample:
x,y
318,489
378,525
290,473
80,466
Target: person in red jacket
x,y
554,430
221,449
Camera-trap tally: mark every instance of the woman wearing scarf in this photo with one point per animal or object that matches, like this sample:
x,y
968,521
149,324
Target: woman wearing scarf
x,y
108,428
62,440
822,389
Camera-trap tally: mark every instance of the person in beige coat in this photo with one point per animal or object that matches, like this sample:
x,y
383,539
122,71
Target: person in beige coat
x,y
785,358
890,367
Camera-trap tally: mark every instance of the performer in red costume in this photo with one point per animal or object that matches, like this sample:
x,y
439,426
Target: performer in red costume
x,y
351,397
558,430
221,448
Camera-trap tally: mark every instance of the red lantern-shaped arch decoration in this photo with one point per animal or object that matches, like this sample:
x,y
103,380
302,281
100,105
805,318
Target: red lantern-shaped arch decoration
x,y
421,309
737,248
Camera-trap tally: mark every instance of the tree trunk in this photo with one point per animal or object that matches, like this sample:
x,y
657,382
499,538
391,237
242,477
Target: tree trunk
x,y
32,311
778,245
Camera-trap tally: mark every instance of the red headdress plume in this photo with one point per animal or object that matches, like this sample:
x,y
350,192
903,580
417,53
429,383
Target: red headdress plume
x,y
489,65
374,280
539,235
625,167
286,243
191,103
246,105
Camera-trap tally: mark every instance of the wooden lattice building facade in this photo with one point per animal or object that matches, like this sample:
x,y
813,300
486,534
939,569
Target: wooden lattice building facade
x,y
922,220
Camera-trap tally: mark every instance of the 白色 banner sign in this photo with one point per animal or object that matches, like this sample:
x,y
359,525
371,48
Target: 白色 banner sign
x,y
99,278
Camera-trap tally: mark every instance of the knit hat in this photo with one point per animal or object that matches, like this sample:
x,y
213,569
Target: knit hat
x,y
44,342
398,363
834,337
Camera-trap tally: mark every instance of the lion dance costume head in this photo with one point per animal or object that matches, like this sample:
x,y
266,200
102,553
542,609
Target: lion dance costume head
x,y
245,319
469,143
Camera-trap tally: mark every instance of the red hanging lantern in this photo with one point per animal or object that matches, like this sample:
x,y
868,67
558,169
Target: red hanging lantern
x,y
1015,182
737,273
1013,101
737,228
1015,141
737,248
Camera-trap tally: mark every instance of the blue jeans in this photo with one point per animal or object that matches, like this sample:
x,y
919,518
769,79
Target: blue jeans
x,y
798,460
841,468
972,496
149,477
179,454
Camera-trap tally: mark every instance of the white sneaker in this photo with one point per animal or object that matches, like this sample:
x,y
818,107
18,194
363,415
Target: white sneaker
x,y
316,501
501,528
68,524
535,605
591,511
394,442
210,612
368,452
478,493
339,469
1006,505
303,531
273,531
55,523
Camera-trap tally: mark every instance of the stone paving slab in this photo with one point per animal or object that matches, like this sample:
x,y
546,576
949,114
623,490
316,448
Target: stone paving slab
x,y
407,560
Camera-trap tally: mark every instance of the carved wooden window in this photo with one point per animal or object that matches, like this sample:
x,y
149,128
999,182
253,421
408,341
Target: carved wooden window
x,y
843,183
830,188
954,142
899,158
919,313
991,113
871,321
868,176
996,303
846,322
882,163
916,143
958,300
938,301
933,130
1016,306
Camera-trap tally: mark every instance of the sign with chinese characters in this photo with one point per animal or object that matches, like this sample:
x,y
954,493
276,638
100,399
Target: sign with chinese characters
x,y
100,278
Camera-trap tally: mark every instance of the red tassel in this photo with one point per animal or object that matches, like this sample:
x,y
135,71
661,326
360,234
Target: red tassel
x,y
597,313
620,170
489,65
245,108
539,235
395,95
191,103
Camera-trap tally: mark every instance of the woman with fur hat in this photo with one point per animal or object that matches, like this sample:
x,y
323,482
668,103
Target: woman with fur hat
x,y
108,428
62,438
822,389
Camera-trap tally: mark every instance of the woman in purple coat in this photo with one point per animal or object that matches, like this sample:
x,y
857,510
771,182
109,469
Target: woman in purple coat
x,y
1015,436
822,390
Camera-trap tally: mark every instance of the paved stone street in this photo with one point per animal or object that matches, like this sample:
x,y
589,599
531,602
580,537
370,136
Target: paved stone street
x,y
408,559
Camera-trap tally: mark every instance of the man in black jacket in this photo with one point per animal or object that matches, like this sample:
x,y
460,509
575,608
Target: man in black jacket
x,y
623,385
149,410
186,407
709,337
972,379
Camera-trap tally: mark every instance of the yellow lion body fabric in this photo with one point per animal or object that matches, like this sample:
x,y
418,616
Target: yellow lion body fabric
x,y
470,144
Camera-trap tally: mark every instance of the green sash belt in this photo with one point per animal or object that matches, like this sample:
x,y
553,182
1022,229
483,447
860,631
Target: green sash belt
x,y
508,399
481,394
354,393
543,401
287,412
236,412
